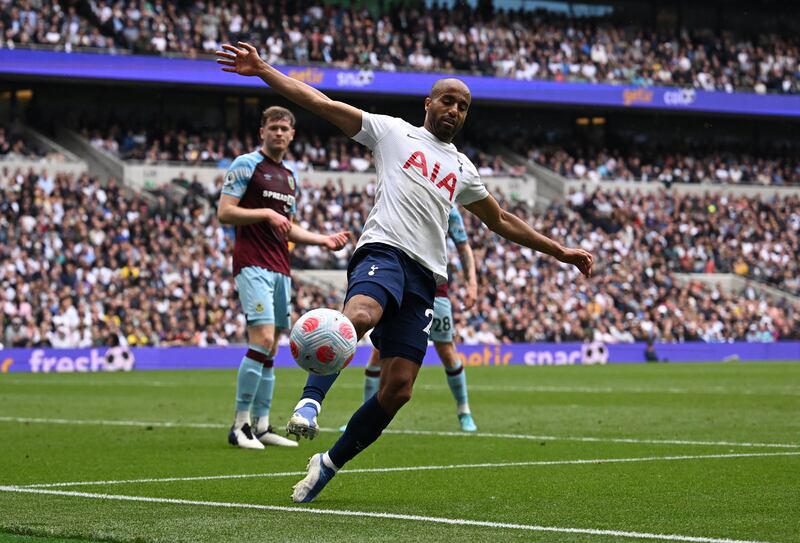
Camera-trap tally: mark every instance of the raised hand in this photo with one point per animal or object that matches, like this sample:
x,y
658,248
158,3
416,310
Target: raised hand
x,y
336,241
583,260
242,60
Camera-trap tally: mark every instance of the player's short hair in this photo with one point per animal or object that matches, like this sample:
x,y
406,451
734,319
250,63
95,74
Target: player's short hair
x,y
276,113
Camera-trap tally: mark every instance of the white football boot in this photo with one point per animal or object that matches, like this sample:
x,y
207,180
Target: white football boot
x,y
243,437
303,422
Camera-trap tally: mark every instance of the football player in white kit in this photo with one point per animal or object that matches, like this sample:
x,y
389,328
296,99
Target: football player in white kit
x,y
401,255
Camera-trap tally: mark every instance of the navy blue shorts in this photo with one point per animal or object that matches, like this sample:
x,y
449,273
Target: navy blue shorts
x,y
404,288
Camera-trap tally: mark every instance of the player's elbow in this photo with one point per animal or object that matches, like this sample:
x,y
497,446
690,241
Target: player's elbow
x,y
496,223
223,215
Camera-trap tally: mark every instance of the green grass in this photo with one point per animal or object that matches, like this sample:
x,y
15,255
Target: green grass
x,y
731,408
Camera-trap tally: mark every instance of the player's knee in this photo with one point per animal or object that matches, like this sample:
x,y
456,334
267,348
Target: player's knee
x,y
362,318
267,344
395,393
402,396
261,336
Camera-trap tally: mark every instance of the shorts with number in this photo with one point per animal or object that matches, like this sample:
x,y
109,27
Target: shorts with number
x,y
265,296
442,329
404,288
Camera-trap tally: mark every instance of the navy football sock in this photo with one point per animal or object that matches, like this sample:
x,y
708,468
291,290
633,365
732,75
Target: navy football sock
x,y
365,426
317,386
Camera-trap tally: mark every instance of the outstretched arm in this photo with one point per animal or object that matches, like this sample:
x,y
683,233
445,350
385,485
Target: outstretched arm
x,y
334,242
468,264
229,212
244,60
515,229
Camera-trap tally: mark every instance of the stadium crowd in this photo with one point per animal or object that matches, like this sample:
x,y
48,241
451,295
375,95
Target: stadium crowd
x,y
85,264
643,241
522,45
89,264
669,167
308,152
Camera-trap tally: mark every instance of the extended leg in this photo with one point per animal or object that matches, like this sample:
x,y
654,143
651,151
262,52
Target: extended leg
x,y
365,426
364,312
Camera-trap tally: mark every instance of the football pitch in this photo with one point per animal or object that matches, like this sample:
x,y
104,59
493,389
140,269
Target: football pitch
x,y
704,453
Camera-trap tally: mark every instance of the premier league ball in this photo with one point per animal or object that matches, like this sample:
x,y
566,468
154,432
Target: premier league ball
x,y
323,341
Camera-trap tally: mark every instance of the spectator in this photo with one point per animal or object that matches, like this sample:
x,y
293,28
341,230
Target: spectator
x,y
520,44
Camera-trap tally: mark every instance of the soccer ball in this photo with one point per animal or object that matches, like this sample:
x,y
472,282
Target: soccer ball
x,y
119,359
323,341
594,353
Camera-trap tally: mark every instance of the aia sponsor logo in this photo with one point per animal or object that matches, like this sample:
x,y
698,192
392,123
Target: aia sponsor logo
x,y
420,163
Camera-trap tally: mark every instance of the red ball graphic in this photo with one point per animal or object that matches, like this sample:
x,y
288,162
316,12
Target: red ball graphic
x,y
325,354
346,331
310,324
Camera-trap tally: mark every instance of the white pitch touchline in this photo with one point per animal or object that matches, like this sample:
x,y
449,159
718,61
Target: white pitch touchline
x,y
389,516
587,439
421,468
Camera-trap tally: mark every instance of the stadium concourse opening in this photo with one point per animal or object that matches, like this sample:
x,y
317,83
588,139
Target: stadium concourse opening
x,y
663,138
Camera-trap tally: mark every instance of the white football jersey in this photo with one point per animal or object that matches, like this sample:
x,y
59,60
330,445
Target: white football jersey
x,y
420,178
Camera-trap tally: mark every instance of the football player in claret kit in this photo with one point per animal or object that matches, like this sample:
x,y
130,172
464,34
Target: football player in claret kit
x,y
442,330
258,197
402,254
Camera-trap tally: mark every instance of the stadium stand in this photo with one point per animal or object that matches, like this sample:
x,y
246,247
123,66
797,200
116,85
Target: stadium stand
x,y
308,152
517,44
88,264
643,239
670,167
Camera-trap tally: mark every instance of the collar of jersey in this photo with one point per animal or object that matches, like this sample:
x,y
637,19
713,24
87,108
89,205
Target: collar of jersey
x,y
421,130
269,158
282,163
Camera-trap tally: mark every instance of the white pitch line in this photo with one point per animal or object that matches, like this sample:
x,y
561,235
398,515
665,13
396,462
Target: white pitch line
x,y
587,439
491,435
136,423
591,461
385,516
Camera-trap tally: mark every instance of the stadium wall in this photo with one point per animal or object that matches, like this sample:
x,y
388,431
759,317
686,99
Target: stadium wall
x,y
74,168
537,354
699,189
149,176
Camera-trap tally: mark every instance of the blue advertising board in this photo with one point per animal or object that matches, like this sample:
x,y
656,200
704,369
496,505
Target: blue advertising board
x,y
207,72
51,360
